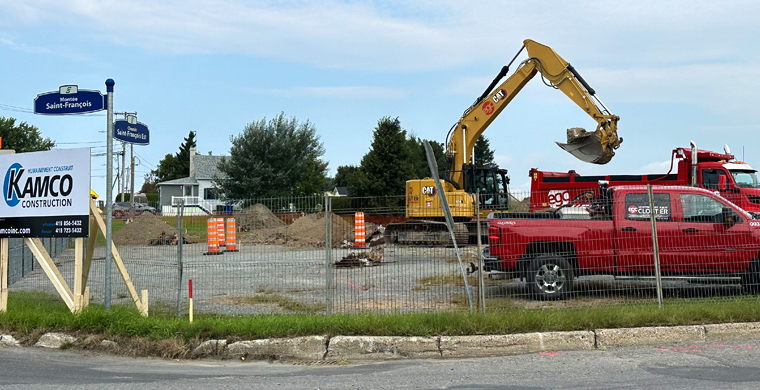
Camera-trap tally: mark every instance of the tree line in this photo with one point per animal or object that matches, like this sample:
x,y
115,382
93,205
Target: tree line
x,y
284,157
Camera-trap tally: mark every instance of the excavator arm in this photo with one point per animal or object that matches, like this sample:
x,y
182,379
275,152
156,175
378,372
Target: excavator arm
x,y
597,147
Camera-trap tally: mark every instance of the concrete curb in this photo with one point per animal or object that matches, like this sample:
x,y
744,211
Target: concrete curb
x,y
303,348
658,335
513,344
720,332
381,347
321,348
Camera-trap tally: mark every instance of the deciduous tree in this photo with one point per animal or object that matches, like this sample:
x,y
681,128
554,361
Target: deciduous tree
x,y
276,158
23,137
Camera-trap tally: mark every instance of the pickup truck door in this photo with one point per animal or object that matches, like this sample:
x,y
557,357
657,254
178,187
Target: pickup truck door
x,y
633,233
709,245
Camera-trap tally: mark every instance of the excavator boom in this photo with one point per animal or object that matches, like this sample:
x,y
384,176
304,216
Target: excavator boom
x,y
467,184
595,147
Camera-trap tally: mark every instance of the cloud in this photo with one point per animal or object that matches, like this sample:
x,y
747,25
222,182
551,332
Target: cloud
x,y
22,47
397,35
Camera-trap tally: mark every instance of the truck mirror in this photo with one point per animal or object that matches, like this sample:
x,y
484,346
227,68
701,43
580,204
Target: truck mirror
x,y
722,183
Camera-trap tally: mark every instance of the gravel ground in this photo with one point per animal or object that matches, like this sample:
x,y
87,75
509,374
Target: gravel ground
x,y
272,279
265,279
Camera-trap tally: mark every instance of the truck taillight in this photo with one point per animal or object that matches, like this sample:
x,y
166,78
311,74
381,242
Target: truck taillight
x,y
493,235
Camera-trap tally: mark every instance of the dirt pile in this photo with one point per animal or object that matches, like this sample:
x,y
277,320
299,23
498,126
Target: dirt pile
x,y
147,229
307,231
310,230
256,217
520,206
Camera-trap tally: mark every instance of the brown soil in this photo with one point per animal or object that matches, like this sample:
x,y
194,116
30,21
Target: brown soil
x,y
256,217
522,206
147,229
307,231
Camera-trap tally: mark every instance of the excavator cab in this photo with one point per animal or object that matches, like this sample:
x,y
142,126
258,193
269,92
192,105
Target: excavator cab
x,y
490,183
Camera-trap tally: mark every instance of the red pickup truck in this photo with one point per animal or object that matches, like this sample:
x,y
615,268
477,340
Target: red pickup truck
x,y
699,234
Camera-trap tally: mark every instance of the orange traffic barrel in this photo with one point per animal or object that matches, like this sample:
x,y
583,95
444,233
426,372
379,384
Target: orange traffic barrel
x,y
231,236
220,231
359,230
213,242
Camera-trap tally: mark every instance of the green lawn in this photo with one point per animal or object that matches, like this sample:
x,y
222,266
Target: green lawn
x,y
36,312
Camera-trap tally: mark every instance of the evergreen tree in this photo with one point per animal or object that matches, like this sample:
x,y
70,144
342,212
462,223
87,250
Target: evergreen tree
x,y
418,157
483,153
386,165
174,166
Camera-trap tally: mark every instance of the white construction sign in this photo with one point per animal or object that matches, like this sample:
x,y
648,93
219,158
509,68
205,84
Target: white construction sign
x,y
45,194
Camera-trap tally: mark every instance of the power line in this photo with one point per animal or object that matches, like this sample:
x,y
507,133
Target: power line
x,y
7,107
77,143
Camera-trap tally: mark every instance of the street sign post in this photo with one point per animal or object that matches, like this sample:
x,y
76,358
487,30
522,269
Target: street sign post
x,y
68,100
131,131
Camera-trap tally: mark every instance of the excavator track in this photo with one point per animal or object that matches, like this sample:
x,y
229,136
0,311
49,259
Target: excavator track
x,y
425,233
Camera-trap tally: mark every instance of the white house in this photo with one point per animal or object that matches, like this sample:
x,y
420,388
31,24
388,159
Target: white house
x,y
197,190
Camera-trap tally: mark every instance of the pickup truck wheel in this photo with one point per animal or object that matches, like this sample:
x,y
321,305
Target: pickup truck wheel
x,y
550,277
751,279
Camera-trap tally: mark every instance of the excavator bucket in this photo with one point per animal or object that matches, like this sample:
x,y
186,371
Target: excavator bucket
x,y
586,146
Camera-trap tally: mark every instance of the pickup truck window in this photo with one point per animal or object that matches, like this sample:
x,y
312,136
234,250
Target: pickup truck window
x,y
701,208
637,207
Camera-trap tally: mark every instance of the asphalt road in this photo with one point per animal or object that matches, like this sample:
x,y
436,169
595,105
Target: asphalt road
x,y
729,365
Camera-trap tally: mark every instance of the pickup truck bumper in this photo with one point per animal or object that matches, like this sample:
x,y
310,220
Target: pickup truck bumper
x,y
493,264
490,263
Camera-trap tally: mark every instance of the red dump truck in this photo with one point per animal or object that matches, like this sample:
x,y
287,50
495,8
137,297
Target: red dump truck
x,y
704,169
699,233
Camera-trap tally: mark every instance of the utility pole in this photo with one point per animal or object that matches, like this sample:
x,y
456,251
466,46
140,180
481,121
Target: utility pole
x,y
123,175
123,168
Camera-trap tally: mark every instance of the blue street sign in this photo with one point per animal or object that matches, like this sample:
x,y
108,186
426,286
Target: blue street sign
x,y
131,131
69,100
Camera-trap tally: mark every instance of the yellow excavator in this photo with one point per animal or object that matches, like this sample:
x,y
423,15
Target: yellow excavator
x,y
464,182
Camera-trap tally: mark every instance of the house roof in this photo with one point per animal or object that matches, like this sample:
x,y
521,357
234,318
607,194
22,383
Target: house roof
x,y
342,191
206,166
184,180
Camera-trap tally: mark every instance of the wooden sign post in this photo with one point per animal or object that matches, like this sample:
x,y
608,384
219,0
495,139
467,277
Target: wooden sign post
x,y
79,298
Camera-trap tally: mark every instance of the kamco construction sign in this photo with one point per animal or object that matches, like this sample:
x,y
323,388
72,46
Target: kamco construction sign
x,y
45,194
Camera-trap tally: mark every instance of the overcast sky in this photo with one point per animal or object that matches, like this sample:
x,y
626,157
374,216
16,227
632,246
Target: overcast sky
x,y
673,71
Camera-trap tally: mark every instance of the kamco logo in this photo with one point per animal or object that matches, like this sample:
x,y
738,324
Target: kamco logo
x,y
37,186
428,190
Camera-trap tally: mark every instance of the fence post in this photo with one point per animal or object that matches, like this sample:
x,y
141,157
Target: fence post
x,y
180,212
449,219
328,255
481,283
655,245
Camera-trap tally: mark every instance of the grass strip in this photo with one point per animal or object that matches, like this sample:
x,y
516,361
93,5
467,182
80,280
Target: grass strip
x,y
37,312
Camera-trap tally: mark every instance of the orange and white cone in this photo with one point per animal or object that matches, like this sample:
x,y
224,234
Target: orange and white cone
x,y
220,232
213,243
359,230
231,236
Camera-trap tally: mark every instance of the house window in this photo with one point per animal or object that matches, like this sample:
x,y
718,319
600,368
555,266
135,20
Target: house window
x,y
210,193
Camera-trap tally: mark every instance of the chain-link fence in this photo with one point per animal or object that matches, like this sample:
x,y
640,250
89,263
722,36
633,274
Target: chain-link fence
x,y
595,248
